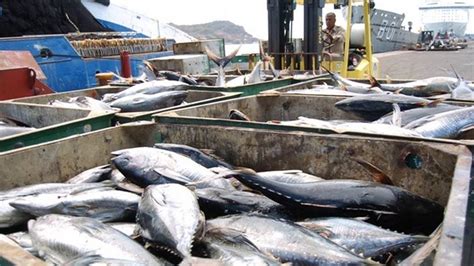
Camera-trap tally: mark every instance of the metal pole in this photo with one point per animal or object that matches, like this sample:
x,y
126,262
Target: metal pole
x,y
275,30
367,35
347,40
312,30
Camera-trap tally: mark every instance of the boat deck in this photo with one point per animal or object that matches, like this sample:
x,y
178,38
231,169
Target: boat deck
x,y
425,64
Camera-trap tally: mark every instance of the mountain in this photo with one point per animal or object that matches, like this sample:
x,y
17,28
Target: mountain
x,y
230,32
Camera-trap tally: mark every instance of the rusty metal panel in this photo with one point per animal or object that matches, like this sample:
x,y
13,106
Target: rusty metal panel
x,y
20,59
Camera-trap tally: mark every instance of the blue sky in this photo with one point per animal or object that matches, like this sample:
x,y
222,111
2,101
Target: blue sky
x,y
252,14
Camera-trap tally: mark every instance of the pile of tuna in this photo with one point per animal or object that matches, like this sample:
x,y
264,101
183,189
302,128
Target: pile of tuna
x,y
147,96
399,109
175,204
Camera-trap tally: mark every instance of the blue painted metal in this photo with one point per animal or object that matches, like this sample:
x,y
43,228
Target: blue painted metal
x,y
120,28
64,68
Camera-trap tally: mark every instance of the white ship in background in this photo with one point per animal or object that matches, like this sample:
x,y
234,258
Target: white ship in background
x,y
446,16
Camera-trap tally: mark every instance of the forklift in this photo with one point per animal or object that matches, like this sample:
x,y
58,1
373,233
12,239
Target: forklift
x,y
355,62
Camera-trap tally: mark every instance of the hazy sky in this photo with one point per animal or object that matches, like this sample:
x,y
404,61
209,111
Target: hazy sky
x,y
252,14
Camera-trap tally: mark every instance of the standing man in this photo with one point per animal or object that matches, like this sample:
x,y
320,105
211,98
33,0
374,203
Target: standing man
x,y
333,39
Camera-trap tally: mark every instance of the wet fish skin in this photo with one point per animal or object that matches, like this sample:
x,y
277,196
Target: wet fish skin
x,y
362,237
168,215
82,102
287,241
151,87
147,166
8,130
374,106
234,248
23,239
411,115
10,216
195,154
52,235
105,206
50,188
127,229
215,202
148,102
290,176
92,175
352,198
443,125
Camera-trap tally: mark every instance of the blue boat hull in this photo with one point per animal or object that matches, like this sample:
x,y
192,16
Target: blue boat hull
x,y
64,68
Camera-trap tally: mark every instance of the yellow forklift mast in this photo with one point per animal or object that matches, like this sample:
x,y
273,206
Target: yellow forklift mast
x,y
280,39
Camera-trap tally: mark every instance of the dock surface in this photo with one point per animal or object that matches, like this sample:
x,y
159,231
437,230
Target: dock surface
x,y
425,64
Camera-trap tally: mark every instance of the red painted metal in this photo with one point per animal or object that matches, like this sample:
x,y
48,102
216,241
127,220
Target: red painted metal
x,y
20,82
125,64
19,59
20,76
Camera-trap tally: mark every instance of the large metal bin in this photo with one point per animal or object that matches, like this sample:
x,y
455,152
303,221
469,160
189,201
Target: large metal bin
x,y
443,174
194,98
251,89
50,122
269,107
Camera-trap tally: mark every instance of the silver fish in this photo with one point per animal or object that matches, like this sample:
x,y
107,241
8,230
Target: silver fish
x,y
50,188
361,237
168,215
82,102
23,239
10,216
92,175
105,206
411,115
287,241
61,238
290,176
444,125
234,248
146,166
141,102
150,87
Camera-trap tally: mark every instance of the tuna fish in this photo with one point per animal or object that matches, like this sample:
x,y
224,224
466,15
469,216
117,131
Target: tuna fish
x,y
151,87
50,188
352,198
105,206
61,239
216,202
290,176
169,216
8,130
374,106
287,241
194,154
361,237
444,125
146,166
92,175
221,62
10,216
234,248
23,239
83,102
141,102
411,115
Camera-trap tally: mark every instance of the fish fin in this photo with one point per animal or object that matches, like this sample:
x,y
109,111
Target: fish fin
x,y
464,130
342,86
171,175
433,103
245,170
374,82
235,114
397,91
389,79
221,61
396,116
377,174
319,229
